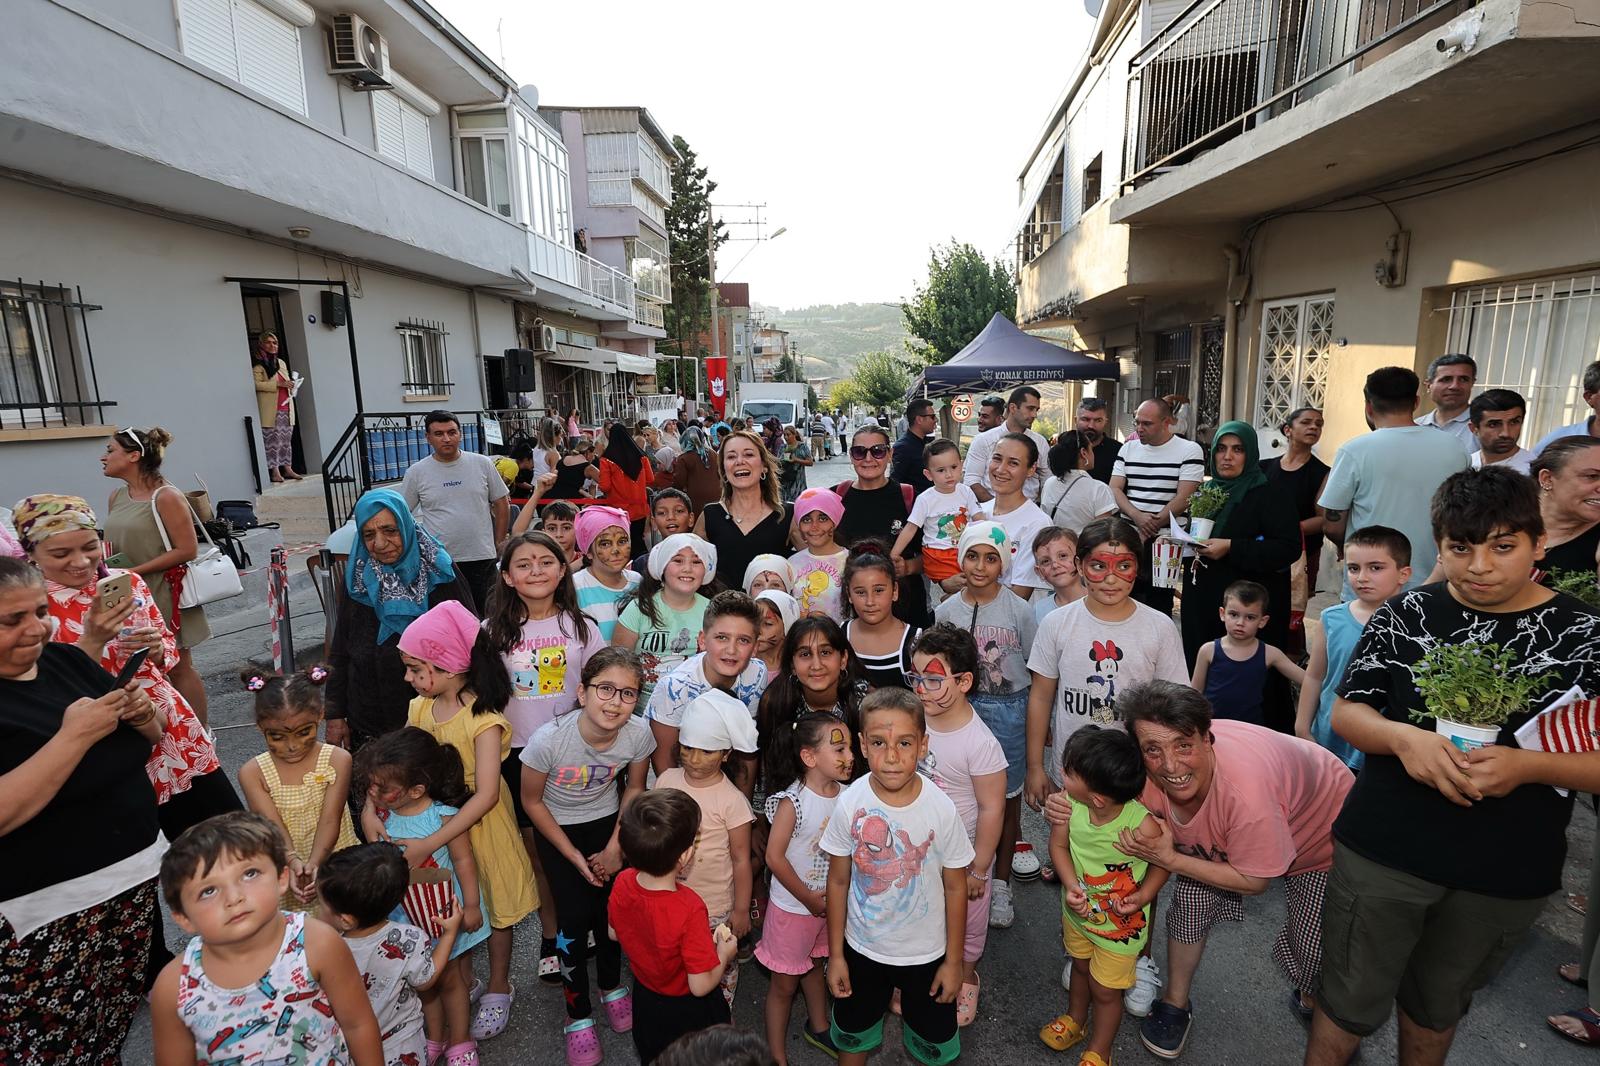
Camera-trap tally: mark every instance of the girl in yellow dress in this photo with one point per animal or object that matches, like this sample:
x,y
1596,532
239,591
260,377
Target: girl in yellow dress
x,y
462,688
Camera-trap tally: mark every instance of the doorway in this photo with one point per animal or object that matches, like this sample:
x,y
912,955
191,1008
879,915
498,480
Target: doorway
x,y
263,312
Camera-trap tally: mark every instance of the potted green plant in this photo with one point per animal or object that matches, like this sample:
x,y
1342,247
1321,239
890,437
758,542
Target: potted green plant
x,y
1204,506
1580,584
1470,690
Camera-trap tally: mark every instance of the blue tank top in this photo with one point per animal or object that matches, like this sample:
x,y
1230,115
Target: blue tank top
x,y
1233,687
1341,631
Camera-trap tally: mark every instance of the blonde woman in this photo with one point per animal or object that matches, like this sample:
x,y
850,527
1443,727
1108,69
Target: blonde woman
x,y
751,518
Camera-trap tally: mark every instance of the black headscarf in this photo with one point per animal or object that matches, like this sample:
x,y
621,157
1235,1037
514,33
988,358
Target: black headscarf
x,y
622,450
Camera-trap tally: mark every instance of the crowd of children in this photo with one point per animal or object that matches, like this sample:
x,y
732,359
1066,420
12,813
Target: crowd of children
x,y
666,777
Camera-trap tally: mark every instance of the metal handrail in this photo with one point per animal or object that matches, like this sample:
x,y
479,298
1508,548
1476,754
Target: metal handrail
x,y
1253,58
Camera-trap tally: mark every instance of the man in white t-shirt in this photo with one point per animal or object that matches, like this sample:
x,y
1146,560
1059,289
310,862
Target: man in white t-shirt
x,y
1450,381
1022,407
829,430
1496,420
1156,473
461,499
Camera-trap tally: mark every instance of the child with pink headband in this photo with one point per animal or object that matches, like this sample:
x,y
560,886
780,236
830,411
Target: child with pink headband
x,y
604,542
817,568
462,691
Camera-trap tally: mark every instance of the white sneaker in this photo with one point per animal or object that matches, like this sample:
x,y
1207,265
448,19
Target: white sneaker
x,y
1001,912
1138,1000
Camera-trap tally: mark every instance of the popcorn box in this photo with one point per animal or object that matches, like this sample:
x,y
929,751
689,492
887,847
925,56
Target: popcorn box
x,y
1166,569
428,898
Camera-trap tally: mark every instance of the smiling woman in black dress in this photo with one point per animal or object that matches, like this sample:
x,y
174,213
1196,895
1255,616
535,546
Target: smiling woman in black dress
x,y
751,518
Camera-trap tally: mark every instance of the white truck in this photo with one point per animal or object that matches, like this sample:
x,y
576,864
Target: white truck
x,y
758,401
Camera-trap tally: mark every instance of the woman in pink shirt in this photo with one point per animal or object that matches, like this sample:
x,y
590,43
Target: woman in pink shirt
x,y
1240,806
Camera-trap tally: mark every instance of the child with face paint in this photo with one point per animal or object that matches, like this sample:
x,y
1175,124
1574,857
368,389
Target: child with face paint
x,y
1055,558
817,754
1087,651
768,571
779,612
968,764
602,539
1002,627
670,512
661,618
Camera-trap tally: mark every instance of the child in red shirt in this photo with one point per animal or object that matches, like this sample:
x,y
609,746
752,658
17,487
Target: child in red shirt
x,y
663,926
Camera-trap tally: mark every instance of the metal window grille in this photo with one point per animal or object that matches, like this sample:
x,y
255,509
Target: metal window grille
x,y
47,374
1296,342
1172,367
1534,337
427,364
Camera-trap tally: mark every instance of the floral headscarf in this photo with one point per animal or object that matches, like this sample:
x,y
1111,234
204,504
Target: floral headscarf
x,y
693,439
399,592
41,517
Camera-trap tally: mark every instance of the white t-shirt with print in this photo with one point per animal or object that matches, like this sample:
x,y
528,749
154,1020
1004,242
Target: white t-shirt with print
x,y
687,681
895,911
1092,660
1021,525
943,515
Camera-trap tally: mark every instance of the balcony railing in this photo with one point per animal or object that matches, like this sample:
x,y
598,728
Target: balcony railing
x,y
610,285
649,313
619,190
1224,66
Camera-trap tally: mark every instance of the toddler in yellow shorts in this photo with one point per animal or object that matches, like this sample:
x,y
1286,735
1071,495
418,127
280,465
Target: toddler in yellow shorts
x,y
1105,894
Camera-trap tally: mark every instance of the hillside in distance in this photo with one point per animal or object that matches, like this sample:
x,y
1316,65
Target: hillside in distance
x,y
833,336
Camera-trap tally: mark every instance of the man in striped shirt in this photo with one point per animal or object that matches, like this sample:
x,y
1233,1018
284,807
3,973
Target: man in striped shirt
x,y
1156,473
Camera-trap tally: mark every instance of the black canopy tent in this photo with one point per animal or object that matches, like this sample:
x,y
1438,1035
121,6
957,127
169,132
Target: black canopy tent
x,y
1003,356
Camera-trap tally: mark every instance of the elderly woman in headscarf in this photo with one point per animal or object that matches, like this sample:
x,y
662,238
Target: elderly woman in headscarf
x,y
1256,538
625,479
396,572
695,471
61,535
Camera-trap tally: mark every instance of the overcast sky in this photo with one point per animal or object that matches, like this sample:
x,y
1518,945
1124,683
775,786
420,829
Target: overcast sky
x,y
871,130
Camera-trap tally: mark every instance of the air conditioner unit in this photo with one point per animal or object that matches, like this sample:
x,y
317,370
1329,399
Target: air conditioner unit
x,y
544,339
358,51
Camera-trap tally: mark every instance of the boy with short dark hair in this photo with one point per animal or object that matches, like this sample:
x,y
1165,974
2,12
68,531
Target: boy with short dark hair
x,y
1105,894
1444,857
727,661
558,518
1377,564
897,893
1232,670
663,926
671,511
360,887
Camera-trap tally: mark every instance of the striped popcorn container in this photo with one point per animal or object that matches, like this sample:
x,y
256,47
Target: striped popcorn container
x,y
429,898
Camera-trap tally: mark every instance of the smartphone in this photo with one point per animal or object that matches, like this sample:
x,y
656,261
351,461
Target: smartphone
x,y
119,562
131,667
113,590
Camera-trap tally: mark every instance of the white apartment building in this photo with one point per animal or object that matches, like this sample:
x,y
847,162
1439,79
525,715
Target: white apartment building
x,y
1255,204
178,175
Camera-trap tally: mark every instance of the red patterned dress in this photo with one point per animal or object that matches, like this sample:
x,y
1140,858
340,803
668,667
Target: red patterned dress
x,y
185,751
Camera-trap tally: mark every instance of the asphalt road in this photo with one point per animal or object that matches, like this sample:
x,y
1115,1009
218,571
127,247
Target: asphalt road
x,y
1240,999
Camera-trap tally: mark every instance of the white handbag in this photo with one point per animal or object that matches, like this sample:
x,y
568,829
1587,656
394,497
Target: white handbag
x,y
208,577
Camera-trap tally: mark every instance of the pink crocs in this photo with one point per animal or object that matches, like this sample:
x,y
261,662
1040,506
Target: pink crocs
x,y
583,1043
618,1004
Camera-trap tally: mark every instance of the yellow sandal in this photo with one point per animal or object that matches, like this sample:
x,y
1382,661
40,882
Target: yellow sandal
x,y
1091,1059
1063,1033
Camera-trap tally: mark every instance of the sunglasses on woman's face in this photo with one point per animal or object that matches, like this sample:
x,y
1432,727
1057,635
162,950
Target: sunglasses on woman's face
x,y
877,451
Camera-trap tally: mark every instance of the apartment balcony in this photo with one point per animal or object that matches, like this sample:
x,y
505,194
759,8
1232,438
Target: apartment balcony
x,y
568,280
1095,266
649,313
89,104
629,153
1242,107
620,190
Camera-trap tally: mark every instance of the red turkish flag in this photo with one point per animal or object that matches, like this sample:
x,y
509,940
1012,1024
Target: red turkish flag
x,y
717,382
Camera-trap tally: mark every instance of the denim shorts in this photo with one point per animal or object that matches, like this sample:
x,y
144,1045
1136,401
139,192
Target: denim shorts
x,y
1007,719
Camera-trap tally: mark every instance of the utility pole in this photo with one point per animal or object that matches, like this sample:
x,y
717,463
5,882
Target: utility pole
x,y
711,278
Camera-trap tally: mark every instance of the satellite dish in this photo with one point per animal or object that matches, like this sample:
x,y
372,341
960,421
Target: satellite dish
x,y
530,94
1093,7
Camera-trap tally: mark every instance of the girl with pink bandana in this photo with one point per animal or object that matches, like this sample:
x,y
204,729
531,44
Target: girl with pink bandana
x,y
462,691
604,542
819,566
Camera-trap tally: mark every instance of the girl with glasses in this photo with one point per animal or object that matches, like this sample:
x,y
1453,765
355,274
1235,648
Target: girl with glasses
x,y
569,787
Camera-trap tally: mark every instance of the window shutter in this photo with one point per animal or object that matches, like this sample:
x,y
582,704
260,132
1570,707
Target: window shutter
x,y
418,147
207,27
269,55
388,126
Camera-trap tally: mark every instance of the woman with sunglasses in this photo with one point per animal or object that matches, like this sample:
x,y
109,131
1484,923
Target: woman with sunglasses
x,y
877,507
138,513
751,518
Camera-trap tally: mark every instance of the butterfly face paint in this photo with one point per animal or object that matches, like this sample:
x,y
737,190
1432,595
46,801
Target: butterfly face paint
x,y
934,684
1109,571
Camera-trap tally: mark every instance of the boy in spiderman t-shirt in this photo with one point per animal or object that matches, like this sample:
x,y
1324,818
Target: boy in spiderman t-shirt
x,y
1088,650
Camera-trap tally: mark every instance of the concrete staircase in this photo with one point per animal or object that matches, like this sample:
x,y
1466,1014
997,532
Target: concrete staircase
x,y
299,509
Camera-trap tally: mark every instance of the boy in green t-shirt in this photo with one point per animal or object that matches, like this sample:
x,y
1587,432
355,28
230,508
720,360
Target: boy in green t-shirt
x,y
1105,893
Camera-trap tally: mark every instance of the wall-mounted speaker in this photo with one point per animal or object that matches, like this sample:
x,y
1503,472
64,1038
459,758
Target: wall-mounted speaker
x,y
520,374
333,309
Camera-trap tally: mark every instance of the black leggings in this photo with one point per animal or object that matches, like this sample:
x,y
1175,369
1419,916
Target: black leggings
x,y
581,910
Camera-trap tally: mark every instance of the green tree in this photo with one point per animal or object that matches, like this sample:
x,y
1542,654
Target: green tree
x,y
879,380
962,293
691,228
788,369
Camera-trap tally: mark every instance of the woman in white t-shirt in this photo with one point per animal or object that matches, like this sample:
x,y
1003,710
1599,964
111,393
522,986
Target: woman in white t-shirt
x,y
1013,461
1072,498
